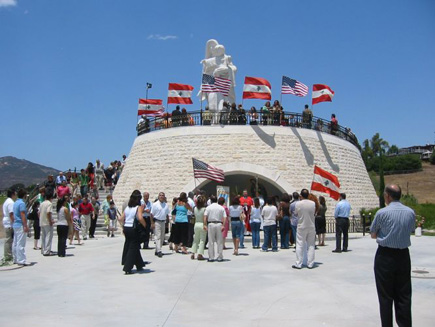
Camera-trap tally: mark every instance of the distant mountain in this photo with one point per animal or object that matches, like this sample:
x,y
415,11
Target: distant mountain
x,y
14,171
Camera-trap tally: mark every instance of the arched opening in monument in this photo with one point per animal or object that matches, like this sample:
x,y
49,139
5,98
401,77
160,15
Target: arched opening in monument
x,y
238,182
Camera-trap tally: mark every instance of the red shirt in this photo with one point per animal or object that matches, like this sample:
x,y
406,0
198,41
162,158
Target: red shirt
x,y
62,191
86,209
248,202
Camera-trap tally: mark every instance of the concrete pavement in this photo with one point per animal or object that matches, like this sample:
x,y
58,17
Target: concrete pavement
x,y
88,288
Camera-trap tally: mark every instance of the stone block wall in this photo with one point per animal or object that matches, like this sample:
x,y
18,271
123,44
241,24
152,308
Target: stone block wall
x,y
285,156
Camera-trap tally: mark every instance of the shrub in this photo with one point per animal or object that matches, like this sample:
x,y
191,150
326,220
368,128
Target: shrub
x,y
432,158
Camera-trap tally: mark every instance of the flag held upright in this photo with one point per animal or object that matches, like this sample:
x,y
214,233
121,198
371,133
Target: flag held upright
x,y
325,182
203,170
150,107
180,93
257,88
322,93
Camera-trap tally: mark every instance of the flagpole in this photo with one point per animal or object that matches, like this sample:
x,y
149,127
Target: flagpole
x,y
280,99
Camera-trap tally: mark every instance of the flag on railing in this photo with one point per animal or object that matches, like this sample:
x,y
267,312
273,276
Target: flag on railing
x,y
150,107
325,182
292,86
257,88
203,170
180,93
216,84
322,93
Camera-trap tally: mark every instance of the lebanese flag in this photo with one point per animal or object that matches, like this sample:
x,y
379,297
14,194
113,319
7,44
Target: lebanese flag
x,y
180,93
150,107
326,183
257,88
322,93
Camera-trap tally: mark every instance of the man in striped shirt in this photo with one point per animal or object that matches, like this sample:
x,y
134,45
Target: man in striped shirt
x,y
391,228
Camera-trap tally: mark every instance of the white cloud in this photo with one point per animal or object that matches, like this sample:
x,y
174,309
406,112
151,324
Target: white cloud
x,y
8,3
160,37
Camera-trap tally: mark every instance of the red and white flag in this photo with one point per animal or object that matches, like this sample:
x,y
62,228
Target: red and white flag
x,y
326,183
322,93
150,107
180,93
257,88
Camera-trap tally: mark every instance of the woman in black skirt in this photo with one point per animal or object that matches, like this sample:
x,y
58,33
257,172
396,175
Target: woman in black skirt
x,y
131,254
321,221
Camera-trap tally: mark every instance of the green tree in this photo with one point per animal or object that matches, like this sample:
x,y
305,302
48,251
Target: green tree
x,y
432,158
393,149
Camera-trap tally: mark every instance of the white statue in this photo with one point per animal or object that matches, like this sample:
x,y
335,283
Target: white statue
x,y
217,63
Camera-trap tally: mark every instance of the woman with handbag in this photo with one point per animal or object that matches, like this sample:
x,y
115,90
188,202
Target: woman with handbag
x,y
131,217
181,228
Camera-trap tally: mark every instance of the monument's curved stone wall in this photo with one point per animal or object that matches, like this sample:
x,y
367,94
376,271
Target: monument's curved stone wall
x,y
285,156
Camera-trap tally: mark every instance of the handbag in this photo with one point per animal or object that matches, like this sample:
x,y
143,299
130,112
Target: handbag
x,y
242,216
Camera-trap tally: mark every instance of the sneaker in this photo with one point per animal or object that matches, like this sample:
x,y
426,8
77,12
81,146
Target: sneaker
x,y
25,264
220,260
296,267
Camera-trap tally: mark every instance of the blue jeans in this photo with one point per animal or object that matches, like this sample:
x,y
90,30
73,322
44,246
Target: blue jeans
x,y
294,230
242,235
284,226
255,227
236,227
270,232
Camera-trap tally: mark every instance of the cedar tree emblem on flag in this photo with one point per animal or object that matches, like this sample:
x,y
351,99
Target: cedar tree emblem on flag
x,y
150,107
257,88
325,182
203,170
322,93
180,93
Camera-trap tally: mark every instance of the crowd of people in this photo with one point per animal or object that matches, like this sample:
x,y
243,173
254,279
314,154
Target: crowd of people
x,y
195,220
232,114
77,209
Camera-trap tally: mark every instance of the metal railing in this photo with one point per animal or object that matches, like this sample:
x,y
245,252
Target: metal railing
x,y
204,118
356,224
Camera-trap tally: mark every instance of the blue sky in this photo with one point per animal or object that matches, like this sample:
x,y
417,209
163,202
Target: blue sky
x,y
71,72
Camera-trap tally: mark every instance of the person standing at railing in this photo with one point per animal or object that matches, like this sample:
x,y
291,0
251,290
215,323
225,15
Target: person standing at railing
x,y
265,113
341,214
307,117
321,221
333,125
253,116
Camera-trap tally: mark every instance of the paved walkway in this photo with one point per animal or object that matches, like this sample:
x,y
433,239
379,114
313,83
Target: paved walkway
x,y
88,288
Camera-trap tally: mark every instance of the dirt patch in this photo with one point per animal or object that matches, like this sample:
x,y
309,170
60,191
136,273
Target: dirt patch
x,y
420,184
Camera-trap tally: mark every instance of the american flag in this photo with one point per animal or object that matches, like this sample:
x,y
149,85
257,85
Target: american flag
x,y
215,84
292,86
203,170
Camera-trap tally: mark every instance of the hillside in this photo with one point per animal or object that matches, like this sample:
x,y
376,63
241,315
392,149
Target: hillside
x,y
14,170
420,184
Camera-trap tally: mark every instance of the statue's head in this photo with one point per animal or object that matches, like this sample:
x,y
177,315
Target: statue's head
x,y
219,50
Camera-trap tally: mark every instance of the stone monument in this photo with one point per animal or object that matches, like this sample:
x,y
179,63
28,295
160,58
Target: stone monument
x,y
218,64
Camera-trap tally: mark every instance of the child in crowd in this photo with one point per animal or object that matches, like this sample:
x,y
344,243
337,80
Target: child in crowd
x,y
111,212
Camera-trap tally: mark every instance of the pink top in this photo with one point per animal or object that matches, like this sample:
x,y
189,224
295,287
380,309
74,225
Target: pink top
x,y
62,191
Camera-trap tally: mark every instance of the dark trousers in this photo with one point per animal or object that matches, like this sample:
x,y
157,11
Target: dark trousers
x,y
284,230
62,235
131,254
191,231
37,229
341,226
393,283
146,236
93,226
